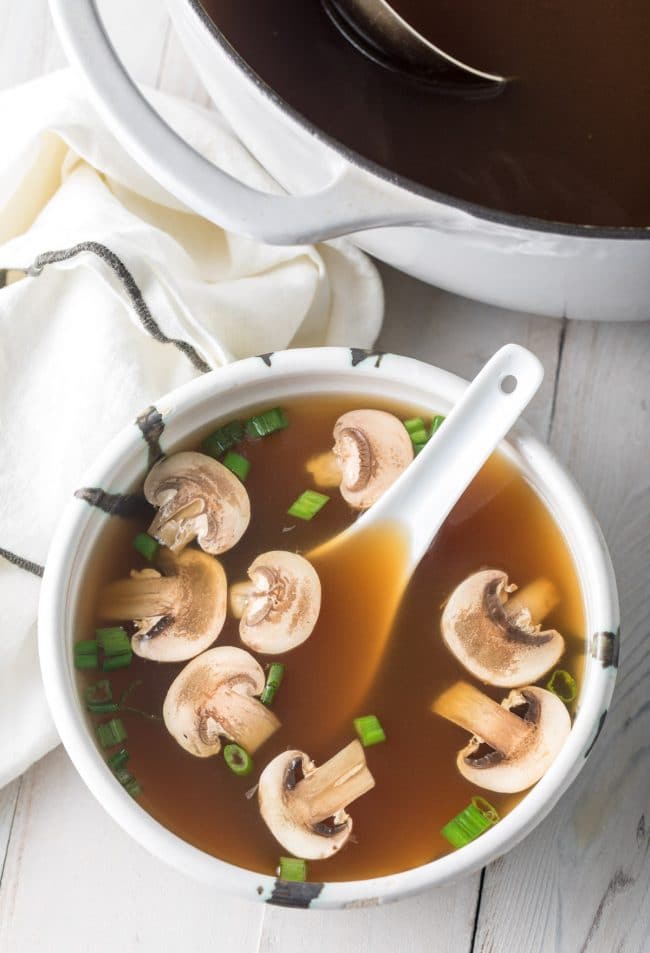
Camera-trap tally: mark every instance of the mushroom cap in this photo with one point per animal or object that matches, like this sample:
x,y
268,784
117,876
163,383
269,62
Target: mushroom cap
x,y
495,648
283,608
197,498
214,696
373,448
287,815
525,765
197,614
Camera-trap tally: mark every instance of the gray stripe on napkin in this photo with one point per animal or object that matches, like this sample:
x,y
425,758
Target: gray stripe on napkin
x,y
130,287
35,568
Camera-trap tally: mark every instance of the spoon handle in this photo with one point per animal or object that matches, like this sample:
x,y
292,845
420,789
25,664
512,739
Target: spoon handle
x,y
422,498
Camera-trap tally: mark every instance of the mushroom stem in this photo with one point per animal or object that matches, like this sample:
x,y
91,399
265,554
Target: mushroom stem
x,y
482,716
324,469
140,597
239,595
539,598
176,531
337,783
246,720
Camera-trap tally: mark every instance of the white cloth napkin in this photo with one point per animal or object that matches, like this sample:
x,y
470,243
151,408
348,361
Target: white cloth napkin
x,y
114,293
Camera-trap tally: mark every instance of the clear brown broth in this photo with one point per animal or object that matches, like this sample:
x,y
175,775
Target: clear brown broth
x,y
500,521
567,141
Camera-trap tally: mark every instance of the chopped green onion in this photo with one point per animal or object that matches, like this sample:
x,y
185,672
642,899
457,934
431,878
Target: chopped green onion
x,y
238,759
237,464
470,823
223,439
417,430
369,729
85,654
100,691
436,423
118,760
563,685
114,641
128,782
111,733
273,680
102,708
308,505
112,662
146,545
418,447
293,868
263,424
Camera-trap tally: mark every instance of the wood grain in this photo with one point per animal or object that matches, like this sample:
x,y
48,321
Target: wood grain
x,y
75,882
581,882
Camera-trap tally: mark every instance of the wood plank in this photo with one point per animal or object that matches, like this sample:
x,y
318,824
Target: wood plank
x,y
74,876
438,921
460,335
581,882
8,803
28,44
138,32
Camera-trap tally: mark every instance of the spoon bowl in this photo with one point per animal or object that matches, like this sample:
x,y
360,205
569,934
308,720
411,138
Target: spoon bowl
x,y
376,29
414,508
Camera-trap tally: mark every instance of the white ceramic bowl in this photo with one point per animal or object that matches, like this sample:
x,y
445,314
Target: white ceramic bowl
x,y
271,379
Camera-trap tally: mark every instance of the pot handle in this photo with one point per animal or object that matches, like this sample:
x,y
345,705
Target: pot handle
x,y
352,202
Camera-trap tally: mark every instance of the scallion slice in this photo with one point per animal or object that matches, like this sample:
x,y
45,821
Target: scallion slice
x,y
146,545
238,759
261,425
118,760
293,868
112,662
111,733
114,641
237,464
417,430
223,439
128,782
477,817
86,654
100,691
102,708
273,680
369,729
562,684
308,505
436,423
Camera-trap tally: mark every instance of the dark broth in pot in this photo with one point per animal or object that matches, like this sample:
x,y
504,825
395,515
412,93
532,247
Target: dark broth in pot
x,y
567,141
499,522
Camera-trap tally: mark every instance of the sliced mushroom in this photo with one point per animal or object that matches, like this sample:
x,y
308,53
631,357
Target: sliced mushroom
x,y
324,470
197,498
514,743
239,595
282,608
178,613
304,806
214,697
497,637
372,448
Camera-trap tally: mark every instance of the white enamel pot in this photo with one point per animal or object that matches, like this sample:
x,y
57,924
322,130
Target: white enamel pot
x,y
526,264
221,395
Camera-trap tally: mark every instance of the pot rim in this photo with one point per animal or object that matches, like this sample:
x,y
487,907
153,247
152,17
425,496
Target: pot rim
x,y
510,219
284,374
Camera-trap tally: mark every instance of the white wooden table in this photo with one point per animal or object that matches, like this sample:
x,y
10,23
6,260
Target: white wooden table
x,y
72,881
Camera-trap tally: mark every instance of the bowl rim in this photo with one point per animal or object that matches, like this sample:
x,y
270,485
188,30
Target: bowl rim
x,y
484,212
290,368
